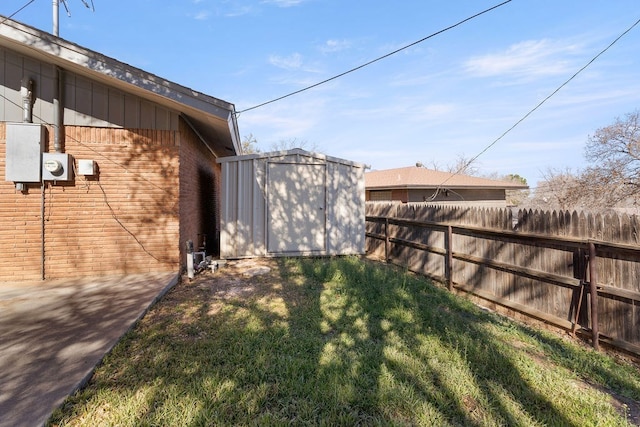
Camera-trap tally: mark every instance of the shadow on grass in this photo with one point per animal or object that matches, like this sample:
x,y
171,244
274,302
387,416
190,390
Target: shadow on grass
x,y
337,341
437,319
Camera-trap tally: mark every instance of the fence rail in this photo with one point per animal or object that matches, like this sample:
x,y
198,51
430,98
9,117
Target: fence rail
x,y
578,283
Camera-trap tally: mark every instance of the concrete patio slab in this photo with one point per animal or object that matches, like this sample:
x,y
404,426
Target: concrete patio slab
x,y
54,333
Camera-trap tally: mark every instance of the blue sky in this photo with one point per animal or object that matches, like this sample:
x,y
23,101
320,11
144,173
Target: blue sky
x,y
449,96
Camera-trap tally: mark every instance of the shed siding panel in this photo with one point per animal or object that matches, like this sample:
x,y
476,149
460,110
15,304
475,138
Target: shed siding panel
x,y
259,202
346,206
228,240
246,208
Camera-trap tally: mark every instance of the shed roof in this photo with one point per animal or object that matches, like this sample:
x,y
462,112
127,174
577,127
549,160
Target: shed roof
x,y
294,151
212,118
414,177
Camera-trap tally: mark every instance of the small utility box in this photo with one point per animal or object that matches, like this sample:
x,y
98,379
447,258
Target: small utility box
x,y
289,203
25,144
57,167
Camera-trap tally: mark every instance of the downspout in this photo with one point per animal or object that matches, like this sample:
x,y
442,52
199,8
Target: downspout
x,y
57,113
26,91
42,235
57,90
57,126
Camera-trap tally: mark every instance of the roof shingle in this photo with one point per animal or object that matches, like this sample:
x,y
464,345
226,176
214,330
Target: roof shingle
x,y
419,177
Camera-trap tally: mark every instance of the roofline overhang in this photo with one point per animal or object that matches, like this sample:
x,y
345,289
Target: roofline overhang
x,y
72,57
452,187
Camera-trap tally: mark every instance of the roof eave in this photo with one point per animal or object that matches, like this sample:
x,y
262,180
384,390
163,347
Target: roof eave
x,y
451,187
205,109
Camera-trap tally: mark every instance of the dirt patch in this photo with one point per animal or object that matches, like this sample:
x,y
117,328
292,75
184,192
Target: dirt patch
x,y
239,279
628,408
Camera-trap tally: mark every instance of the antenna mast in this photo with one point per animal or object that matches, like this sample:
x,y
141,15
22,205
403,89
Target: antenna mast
x,y
56,10
56,13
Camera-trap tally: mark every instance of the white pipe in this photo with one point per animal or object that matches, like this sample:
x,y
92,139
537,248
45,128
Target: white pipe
x,y
57,116
56,14
57,119
190,266
26,90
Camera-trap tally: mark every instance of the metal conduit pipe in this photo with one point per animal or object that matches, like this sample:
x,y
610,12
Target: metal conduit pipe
x,y
26,90
57,113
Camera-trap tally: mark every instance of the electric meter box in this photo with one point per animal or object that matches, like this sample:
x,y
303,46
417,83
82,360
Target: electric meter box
x,y
57,167
25,144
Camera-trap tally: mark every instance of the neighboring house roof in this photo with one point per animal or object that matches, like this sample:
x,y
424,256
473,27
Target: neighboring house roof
x,y
414,177
213,119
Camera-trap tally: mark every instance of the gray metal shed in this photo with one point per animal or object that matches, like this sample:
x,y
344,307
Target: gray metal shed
x,y
291,203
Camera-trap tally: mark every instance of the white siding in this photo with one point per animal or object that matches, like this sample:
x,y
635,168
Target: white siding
x,y
246,210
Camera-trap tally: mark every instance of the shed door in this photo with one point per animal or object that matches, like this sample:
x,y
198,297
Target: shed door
x,y
296,207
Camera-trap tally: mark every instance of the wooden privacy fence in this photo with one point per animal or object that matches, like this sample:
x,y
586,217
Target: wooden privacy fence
x,y
578,272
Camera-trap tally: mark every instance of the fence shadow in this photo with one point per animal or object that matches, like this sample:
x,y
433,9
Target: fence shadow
x,y
535,263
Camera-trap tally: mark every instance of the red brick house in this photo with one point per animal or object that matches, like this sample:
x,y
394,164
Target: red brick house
x,y
418,184
105,168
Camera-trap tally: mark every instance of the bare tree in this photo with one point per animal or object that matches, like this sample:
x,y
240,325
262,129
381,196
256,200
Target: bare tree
x,y
289,144
250,145
613,178
462,165
465,166
558,190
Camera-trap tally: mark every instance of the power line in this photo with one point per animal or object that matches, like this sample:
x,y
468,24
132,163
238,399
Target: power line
x,y
16,12
473,159
375,60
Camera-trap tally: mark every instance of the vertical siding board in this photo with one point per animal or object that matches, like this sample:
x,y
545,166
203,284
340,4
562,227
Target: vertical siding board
x,y
12,76
3,62
99,104
131,112
147,115
115,108
259,207
82,102
69,93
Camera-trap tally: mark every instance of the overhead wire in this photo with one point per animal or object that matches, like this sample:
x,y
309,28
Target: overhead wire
x,y
337,76
16,12
484,150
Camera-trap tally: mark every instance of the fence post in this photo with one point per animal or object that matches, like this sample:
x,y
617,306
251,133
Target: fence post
x,y
448,262
593,290
580,266
386,239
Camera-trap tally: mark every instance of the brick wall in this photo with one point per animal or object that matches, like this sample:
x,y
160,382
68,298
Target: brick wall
x,y
199,194
123,220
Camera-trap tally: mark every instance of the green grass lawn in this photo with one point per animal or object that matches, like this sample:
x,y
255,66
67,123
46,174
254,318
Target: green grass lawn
x,y
344,341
